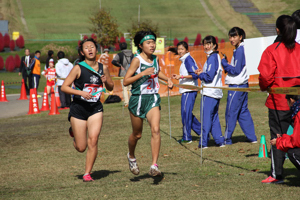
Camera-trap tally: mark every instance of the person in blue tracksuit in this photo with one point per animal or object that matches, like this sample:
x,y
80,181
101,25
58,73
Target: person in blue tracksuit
x,y
237,102
187,76
211,76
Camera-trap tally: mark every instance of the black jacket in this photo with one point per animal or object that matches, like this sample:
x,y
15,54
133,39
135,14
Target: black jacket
x,y
23,65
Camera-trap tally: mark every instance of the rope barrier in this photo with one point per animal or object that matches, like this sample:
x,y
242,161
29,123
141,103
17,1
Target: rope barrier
x,y
278,90
11,83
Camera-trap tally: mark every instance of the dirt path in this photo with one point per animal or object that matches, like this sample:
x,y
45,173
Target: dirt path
x,y
15,107
211,16
22,15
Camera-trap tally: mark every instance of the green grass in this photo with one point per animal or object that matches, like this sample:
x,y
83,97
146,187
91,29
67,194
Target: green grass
x,y
66,19
38,160
175,18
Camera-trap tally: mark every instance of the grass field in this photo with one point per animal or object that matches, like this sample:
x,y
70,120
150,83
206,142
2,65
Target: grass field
x,y
38,160
66,19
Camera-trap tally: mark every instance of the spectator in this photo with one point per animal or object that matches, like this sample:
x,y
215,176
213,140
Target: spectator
x,y
35,68
291,143
296,18
123,60
24,69
63,68
50,76
279,67
237,102
50,55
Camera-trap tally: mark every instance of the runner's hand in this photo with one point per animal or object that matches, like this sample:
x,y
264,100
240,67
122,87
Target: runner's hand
x,y
148,71
170,83
103,78
86,95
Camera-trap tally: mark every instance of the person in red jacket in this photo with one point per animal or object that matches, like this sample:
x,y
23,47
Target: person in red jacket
x,y
291,143
279,67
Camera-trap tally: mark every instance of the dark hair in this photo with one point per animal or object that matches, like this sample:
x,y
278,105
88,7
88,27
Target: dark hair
x,y
236,31
184,44
37,52
211,39
295,97
288,30
140,35
82,57
60,54
123,45
296,17
50,53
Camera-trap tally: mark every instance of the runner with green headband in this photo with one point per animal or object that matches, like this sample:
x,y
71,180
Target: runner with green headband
x,y
143,74
86,110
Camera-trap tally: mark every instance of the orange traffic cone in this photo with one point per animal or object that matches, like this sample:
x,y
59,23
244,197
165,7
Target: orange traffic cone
x,y
3,93
33,103
45,104
54,109
23,95
58,104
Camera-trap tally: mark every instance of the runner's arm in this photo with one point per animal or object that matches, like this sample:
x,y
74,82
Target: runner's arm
x,y
165,78
130,78
109,84
66,86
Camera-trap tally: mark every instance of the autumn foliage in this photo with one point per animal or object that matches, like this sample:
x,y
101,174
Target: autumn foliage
x,y
105,27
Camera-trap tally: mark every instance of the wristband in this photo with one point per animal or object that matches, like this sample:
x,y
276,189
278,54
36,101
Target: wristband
x,y
181,76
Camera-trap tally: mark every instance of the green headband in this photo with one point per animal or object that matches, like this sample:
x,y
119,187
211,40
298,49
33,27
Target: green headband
x,y
148,37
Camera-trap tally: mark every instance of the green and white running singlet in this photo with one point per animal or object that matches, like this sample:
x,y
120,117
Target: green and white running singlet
x,y
145,90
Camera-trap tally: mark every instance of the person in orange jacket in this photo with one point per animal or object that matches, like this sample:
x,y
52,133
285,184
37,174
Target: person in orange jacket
x,y
35,68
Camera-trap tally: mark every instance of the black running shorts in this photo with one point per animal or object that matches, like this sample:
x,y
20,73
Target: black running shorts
x,y
83,110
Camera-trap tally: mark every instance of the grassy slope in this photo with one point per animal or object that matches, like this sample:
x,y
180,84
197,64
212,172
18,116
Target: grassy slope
x,y
38,160
58,19
62,19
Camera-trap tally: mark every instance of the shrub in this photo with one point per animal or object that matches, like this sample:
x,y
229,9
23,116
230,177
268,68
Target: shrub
x,y
12,45
10,63
6,40
175,41
20,42
1,63
94,36
186,39
1,43
17,61
122,40
117,47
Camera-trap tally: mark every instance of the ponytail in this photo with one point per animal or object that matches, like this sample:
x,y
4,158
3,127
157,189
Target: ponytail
x,y
288,30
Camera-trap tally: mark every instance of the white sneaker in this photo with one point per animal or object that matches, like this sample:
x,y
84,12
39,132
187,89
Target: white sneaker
x,y
133,167
154,171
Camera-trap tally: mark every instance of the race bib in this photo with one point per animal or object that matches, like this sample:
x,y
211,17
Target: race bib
x,y
95,90
151,86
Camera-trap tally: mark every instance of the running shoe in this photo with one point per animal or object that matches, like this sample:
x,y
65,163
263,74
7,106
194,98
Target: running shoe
x,y
71,132
87,178
154,171
133,167
270,179
185,141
